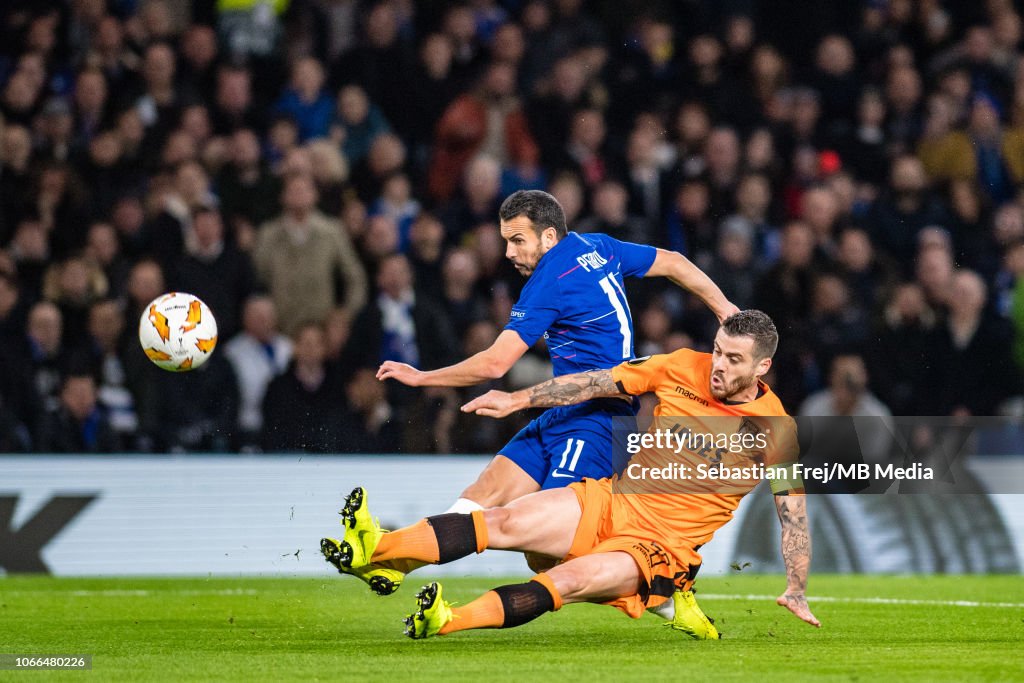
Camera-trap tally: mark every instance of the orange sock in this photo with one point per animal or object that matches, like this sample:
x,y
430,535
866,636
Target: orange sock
x,y
484,612
545,580
480,527
416,542
507,606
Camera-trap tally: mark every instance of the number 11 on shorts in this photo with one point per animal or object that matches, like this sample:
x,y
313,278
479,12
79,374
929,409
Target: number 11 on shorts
x,y
575,456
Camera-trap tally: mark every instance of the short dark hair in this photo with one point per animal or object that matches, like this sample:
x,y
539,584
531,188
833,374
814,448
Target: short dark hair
x,y
756,324
541,208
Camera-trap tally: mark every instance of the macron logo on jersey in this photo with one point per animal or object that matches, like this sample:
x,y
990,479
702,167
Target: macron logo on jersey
x,y
591,261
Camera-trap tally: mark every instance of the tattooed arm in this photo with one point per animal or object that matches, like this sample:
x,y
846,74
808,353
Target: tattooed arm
x,y
561,391
796,553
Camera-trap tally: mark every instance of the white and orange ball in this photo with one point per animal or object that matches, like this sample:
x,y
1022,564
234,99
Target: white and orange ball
x,y
178,332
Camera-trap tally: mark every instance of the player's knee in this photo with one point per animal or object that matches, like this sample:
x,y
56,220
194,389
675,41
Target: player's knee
x,y
502,527
570,580
589,580
485,492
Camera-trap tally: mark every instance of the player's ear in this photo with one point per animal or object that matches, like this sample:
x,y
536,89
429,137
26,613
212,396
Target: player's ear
x,y
549,237
763,366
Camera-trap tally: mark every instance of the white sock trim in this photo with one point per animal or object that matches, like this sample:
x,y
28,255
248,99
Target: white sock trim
x,y
666,610
464,506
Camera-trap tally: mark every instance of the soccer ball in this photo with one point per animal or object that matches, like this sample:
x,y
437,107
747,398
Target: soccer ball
x,y
178,332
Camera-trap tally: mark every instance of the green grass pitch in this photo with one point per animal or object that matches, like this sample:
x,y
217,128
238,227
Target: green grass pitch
x,y
333,629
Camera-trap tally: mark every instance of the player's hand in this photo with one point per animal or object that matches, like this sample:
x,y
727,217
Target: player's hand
x,y
403,372
492,404
797,604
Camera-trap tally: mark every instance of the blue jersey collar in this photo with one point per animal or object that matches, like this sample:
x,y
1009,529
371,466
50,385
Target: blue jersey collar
x,y
554,251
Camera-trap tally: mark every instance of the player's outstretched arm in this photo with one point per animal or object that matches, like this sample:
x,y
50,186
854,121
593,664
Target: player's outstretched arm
x,y
560,391
796,552
685,274
491,363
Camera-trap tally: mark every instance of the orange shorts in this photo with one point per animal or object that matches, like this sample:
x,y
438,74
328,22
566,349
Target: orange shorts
x,y
607,525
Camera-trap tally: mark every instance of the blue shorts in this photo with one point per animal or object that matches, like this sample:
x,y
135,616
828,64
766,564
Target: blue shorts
x,y
568,443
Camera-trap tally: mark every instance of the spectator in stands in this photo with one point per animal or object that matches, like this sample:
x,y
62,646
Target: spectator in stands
x,y
733,264
835,322
426,253
646,181
248,191
398,325
1014,303
380,240
159,103
567,188
907,207
330,171
15,179
299,255
12,307
903,355
199,63
303,407
396,202
848,395
73,285
258,354
77,425
610,202
994,156
90,105
461,296
653,328
847,392
479,199
108,347
368,425
232,107
868,275
935,274
434,87
819,209
944,150
357,123
386,158
198,410
489,121
977,372
784,292
306,101
584,151
214,270
31,366
171,230
103,248
145,283
903,99
753,203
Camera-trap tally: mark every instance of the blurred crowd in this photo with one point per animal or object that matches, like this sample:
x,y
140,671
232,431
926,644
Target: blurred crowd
x,y
326,174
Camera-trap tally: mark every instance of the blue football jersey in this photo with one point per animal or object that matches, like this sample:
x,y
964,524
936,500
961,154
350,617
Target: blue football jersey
x,y
575,299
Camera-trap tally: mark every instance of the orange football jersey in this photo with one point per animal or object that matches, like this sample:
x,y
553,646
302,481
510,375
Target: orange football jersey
x,y
700,456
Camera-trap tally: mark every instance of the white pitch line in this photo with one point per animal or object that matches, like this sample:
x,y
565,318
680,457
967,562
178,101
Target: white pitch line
x,y
868,601
126,593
